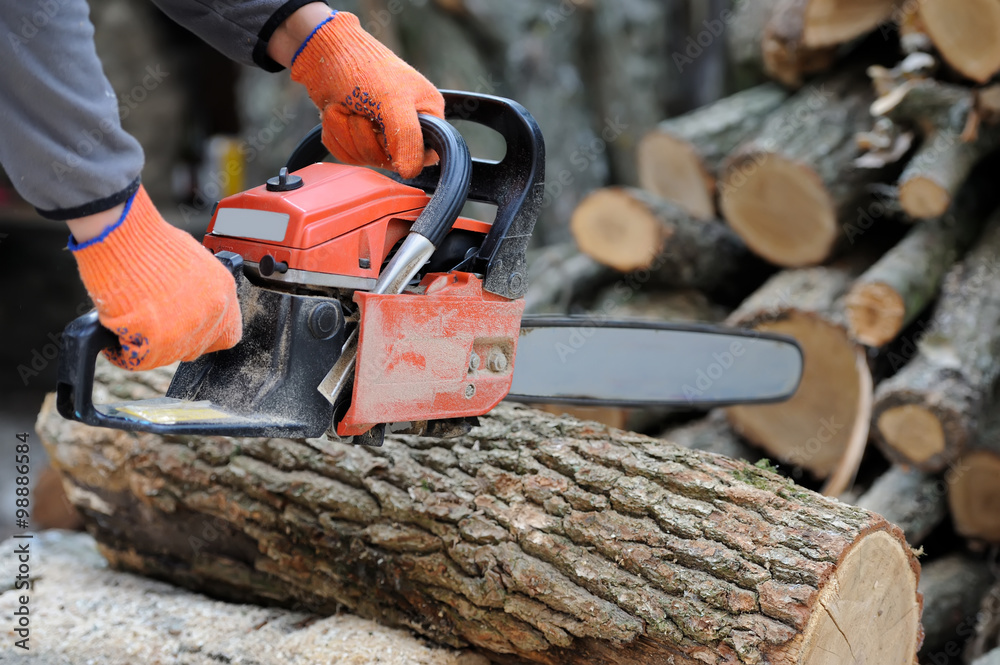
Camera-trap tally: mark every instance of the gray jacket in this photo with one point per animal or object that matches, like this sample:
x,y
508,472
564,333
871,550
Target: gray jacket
x,y
61,141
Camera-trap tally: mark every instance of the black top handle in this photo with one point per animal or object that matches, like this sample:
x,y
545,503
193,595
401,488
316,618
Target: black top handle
x,y
515,184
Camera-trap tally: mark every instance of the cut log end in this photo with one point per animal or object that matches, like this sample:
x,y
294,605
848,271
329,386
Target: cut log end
x,y
922,198
856,629
780,208
672,169
913,431
875,313
965,34
832,22
616,230
816,426
974,496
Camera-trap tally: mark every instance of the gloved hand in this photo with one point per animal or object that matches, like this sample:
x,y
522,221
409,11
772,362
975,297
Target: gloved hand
x,y
165,295
368,98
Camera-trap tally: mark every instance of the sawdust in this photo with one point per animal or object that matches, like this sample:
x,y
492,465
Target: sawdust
x,y
82,613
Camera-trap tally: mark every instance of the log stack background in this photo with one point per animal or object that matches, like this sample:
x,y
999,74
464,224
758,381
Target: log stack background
x,y
826,169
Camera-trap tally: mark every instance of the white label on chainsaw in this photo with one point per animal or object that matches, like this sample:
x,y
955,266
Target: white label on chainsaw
x,y
252,224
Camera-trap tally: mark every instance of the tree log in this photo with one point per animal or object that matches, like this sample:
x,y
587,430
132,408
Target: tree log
x,y
824,427
560,275
889,296
964,33
787,192
910,499
678,160
953,588
534,538
927,414
974,493
801,36
629,229
954,141
712,434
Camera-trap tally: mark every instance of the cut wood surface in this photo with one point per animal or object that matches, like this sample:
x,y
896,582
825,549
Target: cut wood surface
x,y
953,588
965,34
629,229
678,160
824,426
927,413
534,538
890,294
974,492
912,500
787,192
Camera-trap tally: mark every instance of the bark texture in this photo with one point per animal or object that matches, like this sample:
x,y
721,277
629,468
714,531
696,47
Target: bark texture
x,y
889,296
534,538
910,499
953,589
947,386
788,191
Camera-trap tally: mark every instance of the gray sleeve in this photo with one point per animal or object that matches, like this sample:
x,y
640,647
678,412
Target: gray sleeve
x,y
240,29
61,141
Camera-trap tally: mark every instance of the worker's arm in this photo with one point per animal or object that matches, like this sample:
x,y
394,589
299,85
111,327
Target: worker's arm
x,y
64,149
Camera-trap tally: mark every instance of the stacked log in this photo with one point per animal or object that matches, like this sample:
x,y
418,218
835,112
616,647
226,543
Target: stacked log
x,y
535,539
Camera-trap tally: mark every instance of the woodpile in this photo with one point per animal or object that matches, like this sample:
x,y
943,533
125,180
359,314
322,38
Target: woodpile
x,y
536,538
871,192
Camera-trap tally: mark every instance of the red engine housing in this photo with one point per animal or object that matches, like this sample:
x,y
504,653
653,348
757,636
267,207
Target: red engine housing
x,y
342,218
444,351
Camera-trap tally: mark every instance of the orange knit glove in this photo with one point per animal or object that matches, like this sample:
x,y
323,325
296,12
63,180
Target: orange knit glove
x,y
164,294
368,98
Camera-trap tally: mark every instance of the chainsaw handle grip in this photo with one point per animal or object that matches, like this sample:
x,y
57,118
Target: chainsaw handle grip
x,y
82,341
452,191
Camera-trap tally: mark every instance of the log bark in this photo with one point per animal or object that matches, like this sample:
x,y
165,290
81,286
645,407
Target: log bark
x,y
927,414
788,191
973,490
535,538
910,499
953,588
824,427
679,159
635,82
628,229
991,658
889,296
954,141
964,33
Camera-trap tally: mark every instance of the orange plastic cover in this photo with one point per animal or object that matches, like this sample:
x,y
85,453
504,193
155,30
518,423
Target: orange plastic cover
x,y
446,353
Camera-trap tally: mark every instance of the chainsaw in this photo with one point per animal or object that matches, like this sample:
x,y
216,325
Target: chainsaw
x,y
370,301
